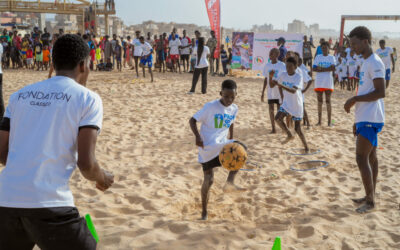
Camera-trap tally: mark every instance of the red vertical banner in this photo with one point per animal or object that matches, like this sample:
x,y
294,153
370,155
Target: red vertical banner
x,y
214,15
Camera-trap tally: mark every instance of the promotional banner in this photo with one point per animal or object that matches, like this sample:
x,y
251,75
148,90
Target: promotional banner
x,y
214,15
264,42
242,50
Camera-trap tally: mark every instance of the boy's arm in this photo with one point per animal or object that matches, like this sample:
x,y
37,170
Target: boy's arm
x,y
308,86
193,126
291,90
231,132
393,62
4,138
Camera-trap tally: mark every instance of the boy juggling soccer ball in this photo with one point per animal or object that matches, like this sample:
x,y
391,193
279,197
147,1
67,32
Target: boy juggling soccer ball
x,y
369,113
216,118
271,71
292,85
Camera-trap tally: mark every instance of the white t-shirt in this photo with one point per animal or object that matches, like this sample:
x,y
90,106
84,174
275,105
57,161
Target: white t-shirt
x,y
137,47
215,121
384,54
352,63
324,79
359,60
174,45
348,50
292,103
374,112
306,78
279,67
203,59
45,118
342,68
185,41
146,48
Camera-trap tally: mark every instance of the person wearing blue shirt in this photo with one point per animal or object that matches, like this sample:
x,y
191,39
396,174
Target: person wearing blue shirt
x,y
282,50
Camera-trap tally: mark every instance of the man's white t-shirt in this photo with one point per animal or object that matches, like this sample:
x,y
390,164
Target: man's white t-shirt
x,y
185,41
292,103
203,63
45,119
215,121
137,47
279,67
324,79
174,45
373,112
146,48
385,55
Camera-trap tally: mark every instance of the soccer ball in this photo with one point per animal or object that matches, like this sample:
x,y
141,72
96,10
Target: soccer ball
x,y
233,156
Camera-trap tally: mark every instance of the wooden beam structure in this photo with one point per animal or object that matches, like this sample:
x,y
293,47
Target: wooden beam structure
x,y
56,7
363,17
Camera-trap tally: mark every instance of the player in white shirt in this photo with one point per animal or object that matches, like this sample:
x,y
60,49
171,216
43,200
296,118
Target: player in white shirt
x,y
137,51
271,71
324,65
307,82
216,118
48,129
352,67
292,85
201,66
369,113
342,69
186,43
174,45
147,57
386,54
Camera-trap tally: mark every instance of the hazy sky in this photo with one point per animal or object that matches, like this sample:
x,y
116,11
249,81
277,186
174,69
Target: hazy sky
x,y
243,14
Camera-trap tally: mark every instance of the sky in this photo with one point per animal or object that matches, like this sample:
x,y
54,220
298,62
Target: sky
x,y
243,14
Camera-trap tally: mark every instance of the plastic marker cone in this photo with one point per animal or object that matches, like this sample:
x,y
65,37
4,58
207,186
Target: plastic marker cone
x,y
277,244
93,230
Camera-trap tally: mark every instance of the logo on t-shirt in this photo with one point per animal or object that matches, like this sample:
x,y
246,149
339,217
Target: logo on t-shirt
x,y
361,78
224,120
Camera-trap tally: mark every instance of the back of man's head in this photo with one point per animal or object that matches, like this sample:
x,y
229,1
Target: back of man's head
x,y
69,50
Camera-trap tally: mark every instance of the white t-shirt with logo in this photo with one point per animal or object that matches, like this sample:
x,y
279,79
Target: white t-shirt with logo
x,y
279,67
342,69
45,118
174,45
215,121
203,63
373,112
324,79
352,63
146,48
292,103
137,47
384,54
306,78
185,41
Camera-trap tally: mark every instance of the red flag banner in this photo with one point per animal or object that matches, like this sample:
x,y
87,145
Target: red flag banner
x,y
214,14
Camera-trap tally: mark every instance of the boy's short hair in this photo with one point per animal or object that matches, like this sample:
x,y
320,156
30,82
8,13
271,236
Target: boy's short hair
x,y
69,50
291,60
325,44
361,32
229,84
382,41
274,50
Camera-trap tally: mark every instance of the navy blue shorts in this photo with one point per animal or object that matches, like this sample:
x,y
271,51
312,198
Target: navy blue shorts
x,y
287,113
147,61
370,131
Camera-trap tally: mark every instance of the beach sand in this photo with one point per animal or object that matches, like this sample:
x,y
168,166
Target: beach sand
x,y
155,201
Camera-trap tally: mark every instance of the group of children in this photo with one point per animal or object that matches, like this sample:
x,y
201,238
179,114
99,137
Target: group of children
x,y
347,69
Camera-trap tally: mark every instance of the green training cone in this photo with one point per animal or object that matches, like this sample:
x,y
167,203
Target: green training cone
x,y
277,244
93,230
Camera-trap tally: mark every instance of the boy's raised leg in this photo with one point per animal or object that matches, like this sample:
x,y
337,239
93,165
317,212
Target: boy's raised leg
x,y
279,120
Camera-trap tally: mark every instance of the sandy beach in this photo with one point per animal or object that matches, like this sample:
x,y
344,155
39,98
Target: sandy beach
x,y
155,201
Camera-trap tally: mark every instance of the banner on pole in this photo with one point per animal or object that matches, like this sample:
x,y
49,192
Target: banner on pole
x,y
264,42
242,50
214,15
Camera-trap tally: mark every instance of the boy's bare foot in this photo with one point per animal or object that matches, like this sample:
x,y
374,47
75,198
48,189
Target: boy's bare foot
x,y
204,215
273,131
288,139
230,187
359,200
306,150
368,206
